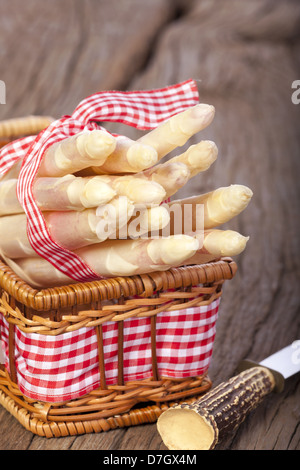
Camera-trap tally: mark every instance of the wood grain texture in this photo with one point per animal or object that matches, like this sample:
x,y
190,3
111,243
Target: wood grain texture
x,y
245,56
61,52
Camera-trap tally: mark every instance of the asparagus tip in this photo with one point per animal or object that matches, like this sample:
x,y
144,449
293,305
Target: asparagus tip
x,y
203,111
172,250
225,243
141,156
99,144
241,194
96,192
203,154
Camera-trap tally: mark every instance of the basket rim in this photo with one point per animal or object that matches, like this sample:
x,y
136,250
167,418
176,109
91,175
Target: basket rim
x,y
16,127
113,288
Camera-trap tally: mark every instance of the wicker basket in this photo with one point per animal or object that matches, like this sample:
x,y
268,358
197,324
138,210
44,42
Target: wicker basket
x,y
54,311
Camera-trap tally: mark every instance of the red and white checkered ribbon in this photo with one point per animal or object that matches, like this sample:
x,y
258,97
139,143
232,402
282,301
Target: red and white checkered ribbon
x,y
65,367
140,109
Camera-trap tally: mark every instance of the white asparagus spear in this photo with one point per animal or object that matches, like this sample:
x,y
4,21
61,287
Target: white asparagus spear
x,y
112,258
139,220
146,221
73,230
137,189
150,186
13,241
13,173
129,156
77,152
157,143
9,203
224,203
88,190
37,272
221,242
64,193
72,193
170,175
176,172
15,244
198,157
77,193
216,207
129,257
214,244
178,129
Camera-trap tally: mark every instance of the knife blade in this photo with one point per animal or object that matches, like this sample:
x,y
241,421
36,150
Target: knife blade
x,y
201,424
283,364
286,361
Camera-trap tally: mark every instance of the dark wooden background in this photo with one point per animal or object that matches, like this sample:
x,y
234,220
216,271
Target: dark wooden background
x,y
245,56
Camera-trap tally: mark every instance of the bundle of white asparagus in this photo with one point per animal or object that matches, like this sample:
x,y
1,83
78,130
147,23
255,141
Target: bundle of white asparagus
x,y
104,197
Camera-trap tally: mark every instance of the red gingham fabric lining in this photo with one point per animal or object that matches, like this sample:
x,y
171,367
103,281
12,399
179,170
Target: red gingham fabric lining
x,y
65,367
141,109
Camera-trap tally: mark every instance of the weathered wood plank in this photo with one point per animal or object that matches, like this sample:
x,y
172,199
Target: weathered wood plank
x,y
12,434
57,53
245,56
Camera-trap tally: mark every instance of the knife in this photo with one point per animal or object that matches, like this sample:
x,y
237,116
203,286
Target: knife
x,y
201,424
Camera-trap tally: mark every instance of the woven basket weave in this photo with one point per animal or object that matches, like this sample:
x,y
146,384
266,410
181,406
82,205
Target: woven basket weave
x,y
54,311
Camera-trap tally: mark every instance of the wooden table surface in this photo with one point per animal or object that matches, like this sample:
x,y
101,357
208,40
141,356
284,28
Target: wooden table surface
x,y
245,56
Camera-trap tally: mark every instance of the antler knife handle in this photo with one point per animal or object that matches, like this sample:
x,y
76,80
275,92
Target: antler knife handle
x,y
200,425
